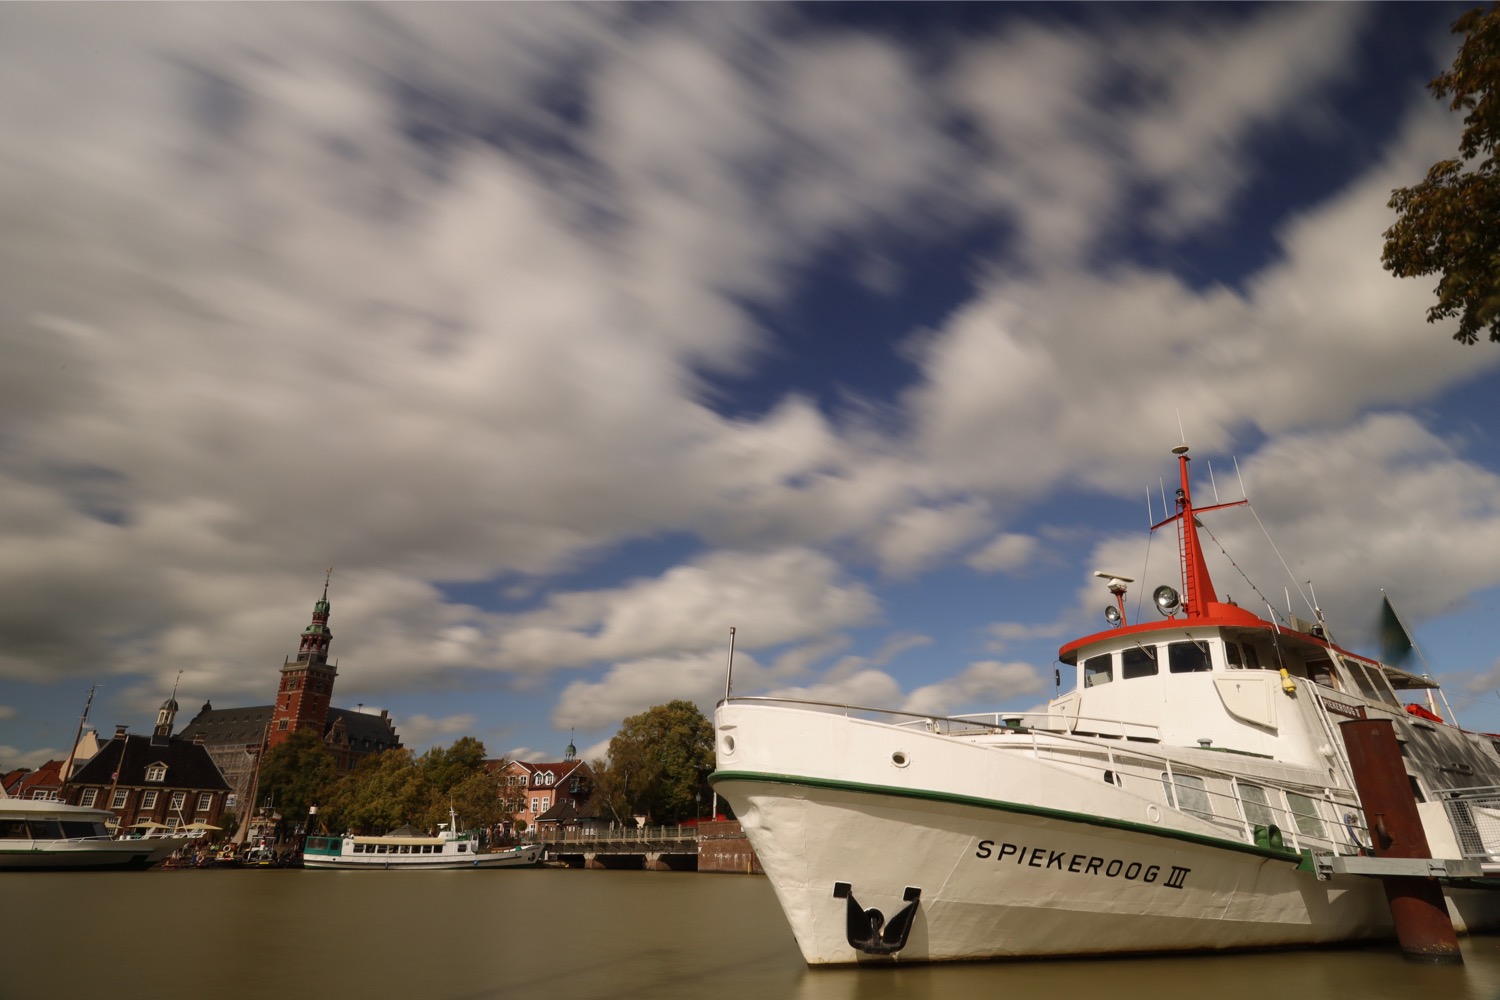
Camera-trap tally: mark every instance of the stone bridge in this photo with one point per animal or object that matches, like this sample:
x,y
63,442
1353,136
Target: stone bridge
x,y
719,845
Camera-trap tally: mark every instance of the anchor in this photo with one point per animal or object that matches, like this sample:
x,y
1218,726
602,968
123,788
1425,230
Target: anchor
x,y
868,931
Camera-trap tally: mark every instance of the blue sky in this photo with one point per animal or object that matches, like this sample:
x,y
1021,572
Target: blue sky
x,y
572,336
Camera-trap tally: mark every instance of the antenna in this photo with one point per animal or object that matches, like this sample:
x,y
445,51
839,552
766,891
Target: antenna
x,y
1181,434
1149,520
1241,478
1212,483
729,674
1164,507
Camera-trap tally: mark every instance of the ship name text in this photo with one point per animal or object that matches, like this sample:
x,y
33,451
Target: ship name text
x,y
1081,864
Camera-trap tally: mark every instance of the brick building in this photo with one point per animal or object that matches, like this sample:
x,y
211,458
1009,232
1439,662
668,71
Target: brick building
x,y
236,737
150,783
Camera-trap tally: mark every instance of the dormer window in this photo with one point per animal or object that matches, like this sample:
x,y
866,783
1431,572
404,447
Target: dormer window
x,y
549,778
156,772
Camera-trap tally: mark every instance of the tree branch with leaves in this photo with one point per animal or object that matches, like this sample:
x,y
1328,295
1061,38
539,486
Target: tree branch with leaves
x,y
1449,224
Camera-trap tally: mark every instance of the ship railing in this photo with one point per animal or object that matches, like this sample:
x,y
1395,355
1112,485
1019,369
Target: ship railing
x,y
1474,814
1253,808
1130,745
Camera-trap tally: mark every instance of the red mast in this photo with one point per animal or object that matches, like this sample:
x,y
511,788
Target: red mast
x,y
1197,586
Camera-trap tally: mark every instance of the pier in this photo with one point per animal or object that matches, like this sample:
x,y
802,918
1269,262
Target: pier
x,y
718,846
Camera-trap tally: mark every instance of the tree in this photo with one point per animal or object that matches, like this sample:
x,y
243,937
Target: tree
x,y
384,791
297,774
657,765
456,778
1449,224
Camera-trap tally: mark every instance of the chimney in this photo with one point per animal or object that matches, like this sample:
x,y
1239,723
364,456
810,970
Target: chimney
x,y
120,731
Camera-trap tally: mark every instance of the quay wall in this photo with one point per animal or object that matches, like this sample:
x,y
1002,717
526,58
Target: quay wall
x,y
722,847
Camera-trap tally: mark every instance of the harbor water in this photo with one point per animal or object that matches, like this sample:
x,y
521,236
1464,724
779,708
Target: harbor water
x,y
572,935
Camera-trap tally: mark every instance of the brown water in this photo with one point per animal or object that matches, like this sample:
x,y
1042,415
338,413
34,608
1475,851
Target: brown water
x,y
565,935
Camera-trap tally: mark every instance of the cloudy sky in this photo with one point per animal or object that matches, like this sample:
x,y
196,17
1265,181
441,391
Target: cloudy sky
x,y
573,336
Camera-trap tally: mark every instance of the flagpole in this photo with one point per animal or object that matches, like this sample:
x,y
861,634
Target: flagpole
x,y
1426,667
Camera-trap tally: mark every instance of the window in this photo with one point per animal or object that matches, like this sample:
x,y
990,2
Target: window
x,y
89,795
1137,661
156,772
534,802
173,822
205,801
121,796
1188,657
39,793
1191,794
178,798
549,779
1252,659
1305,815
1096,671
148,800
1232,655
1257,806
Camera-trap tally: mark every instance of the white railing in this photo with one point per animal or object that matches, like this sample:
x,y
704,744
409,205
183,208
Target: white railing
x,y
1345,831
1474,814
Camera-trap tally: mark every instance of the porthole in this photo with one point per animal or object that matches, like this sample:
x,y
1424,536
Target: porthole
x,y
1153,814
728,744
900,759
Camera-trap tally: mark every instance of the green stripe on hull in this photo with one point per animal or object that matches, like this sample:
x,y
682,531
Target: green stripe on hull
x,y
1008,807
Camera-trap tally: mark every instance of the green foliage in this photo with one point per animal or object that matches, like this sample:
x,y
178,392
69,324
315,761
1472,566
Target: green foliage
x,y
395,788
297,774
1449,224
657,765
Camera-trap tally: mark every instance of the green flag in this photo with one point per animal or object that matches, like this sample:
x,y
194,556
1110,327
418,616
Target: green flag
x,y
1395,644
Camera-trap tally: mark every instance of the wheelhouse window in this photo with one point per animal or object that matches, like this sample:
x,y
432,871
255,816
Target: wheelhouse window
x,y
1188,657
1232,656
1137,661
1187,792
1096,670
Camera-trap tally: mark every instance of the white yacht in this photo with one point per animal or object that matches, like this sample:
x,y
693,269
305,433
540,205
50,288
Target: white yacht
x,y
43,835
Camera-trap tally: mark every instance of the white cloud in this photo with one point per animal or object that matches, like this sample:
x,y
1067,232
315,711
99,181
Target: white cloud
x,y
982,685
1006,552
772,598
919,537
421,731
864,688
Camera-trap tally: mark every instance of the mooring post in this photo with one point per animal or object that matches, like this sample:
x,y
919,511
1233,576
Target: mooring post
x,y
1423,927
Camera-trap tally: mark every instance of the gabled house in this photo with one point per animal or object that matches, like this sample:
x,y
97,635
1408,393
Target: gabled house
x,y
43,783
152,783
528,790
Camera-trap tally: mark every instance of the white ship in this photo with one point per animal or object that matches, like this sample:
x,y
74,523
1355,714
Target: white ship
x,y
409,850
1193,792
43,835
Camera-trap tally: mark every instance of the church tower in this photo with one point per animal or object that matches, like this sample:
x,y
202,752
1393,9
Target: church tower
x,y
306,680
